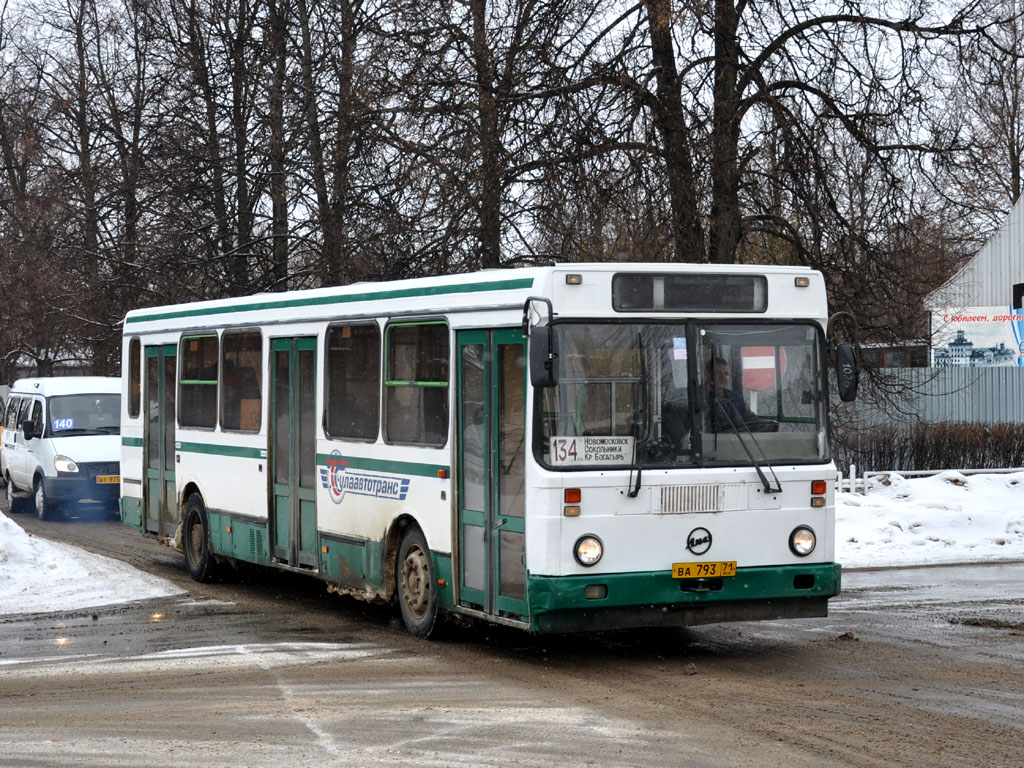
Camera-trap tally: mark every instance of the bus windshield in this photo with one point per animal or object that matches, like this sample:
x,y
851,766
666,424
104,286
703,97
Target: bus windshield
x,y
666,395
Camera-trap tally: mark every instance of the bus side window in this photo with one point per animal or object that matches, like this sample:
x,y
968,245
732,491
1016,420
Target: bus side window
x,y
416,383
353,381
197,381
134,377
241,398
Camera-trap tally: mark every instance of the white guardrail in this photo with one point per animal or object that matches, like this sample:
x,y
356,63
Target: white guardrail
x,y
854,483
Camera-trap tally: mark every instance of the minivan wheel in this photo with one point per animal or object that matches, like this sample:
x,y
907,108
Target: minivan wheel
x,y
44,507
14,503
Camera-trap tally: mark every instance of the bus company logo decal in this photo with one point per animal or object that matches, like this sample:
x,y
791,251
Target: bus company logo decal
x,y
339,479
698,541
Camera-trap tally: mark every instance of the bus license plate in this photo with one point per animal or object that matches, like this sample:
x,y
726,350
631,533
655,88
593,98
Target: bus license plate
x,y
718,570
101,479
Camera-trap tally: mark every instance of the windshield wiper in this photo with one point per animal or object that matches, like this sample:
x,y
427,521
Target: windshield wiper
x,y
757,466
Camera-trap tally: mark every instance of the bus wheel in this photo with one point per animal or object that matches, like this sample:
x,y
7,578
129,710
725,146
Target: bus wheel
x,y
196,541
417,596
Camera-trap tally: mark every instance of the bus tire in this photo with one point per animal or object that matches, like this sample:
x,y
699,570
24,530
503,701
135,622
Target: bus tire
x,y
195,541
417,589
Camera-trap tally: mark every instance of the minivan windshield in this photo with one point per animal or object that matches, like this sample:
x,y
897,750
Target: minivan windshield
x,y
94,414
684,394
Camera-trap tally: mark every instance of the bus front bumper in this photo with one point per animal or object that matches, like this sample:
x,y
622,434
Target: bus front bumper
x,y
655,599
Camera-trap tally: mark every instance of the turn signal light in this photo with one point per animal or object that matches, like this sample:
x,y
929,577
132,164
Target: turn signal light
x,y
575,495
818,487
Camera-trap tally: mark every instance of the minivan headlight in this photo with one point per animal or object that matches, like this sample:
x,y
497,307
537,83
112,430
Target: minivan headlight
x,y
64,464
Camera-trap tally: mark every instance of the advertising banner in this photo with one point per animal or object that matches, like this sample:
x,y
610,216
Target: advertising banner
x,y
976,337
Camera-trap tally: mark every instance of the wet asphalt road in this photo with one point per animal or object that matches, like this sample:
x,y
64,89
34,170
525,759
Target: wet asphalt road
x,y
912,667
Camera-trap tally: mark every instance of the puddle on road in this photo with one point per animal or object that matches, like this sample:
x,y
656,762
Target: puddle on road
x,y
165,634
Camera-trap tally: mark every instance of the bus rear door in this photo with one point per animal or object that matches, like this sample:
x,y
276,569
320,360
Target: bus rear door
x,y
159,490
293,452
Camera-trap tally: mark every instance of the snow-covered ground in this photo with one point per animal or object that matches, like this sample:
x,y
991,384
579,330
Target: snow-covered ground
x,y
42,576
948,518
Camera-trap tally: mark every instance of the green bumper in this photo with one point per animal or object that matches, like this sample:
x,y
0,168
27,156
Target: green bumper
x,y
655,599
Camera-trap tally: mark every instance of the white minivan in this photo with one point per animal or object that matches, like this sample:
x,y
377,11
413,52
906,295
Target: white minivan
x,y
62,445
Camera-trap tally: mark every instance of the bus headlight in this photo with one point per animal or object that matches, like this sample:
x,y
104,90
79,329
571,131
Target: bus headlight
x,y
64,464
588,549
802,541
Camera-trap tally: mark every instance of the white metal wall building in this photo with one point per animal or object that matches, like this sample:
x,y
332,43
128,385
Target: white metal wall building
x,y
989,278
994,277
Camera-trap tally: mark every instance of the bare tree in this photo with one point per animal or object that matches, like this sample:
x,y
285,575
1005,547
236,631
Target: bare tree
x,y
483,106
985,118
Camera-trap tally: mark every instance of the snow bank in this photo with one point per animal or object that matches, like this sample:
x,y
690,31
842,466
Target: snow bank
x,y
946,518
40,576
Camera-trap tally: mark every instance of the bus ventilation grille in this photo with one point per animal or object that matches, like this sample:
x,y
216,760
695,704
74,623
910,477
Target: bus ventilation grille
x,y
255,543
682,499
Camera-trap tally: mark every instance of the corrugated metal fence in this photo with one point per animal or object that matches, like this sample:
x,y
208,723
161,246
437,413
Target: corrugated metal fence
x,y
979,395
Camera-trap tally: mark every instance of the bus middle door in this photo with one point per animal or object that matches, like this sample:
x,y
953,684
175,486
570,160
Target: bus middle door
x,y
491,455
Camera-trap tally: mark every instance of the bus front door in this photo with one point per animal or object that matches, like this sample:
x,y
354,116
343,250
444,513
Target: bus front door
x,y
293,452
160,493
491,456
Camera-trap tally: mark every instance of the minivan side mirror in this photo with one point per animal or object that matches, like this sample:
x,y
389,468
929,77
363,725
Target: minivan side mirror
x,y
847,373
29,428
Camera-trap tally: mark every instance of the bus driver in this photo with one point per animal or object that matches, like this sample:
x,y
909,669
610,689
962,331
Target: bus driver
x,y
727,408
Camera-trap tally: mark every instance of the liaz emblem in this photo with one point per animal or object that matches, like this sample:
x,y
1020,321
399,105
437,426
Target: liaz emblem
x,y
699,541
339,479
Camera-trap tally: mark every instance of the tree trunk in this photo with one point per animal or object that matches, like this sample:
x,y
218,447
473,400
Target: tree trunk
x,y
278,188
687,230
239,260
726,229
91,225
201,76
350,264
489,181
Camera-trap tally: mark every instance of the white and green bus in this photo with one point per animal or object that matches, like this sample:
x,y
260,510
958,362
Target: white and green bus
x,y
571,448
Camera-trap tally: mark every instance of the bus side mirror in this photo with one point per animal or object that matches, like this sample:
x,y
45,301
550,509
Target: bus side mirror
x,y
542,356
847,374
